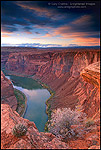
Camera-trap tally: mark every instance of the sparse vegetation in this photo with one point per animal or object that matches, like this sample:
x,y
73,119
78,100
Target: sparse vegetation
x,y
61,121
21,101
19,130
48,110
89,122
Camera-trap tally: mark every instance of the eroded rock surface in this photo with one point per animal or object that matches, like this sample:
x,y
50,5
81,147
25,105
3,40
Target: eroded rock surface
x,y
7,92
92,74
91,136
33,138
75,78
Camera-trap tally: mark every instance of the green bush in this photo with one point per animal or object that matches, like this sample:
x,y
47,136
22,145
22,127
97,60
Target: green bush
x,y
19,130
46,127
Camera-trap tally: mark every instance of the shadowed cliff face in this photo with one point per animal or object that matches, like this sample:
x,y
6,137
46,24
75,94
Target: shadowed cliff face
x,y
61,71
75,78
39,140
32,63
7,92
57,63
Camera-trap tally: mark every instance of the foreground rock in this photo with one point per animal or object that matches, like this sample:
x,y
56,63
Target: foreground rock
x,y
7,92
90,138
91,74
33,138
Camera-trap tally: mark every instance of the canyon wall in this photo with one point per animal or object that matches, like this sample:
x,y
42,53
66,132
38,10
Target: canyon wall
x,y
60,70
9,118
75,78
7,92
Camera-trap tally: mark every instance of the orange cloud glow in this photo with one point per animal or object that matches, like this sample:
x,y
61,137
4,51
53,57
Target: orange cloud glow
x,y
39,10
5,34
77,37
28,32
83,20
48,35
87,41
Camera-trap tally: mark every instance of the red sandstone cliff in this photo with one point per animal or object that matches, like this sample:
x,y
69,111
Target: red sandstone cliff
x,y
61,71
74,76
7,92
33,138
9,118
91,74
38,140
90,105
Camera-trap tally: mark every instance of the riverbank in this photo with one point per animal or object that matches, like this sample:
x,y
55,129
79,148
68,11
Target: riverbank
x,y
21,102
48,106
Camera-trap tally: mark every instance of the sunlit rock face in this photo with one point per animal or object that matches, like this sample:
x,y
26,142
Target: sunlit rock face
x,y
91,74
33,138
89,102
61,71
7,92
83,59
75,78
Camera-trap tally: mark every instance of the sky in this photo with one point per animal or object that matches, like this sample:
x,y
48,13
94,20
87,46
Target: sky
x,y
50,24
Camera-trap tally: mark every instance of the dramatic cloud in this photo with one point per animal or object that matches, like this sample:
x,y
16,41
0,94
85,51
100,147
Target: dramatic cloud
x,y
45,20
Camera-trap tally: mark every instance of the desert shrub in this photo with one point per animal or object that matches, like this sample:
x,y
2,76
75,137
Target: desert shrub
x,y
19,130
89,122
46,127
61,121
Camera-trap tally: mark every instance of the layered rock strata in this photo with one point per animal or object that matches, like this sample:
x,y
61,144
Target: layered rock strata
x,y
33,138
7,92
61,71
75,78
38,140
91,74
91,136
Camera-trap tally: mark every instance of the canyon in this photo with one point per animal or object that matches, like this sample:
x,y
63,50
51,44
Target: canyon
x,y
73,75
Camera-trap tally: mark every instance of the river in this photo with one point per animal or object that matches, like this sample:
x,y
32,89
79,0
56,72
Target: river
x,y
36,98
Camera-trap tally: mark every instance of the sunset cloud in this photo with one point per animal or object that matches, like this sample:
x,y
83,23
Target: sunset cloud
x,y
48,35
5,35
28,32
41,10
42,21
83,20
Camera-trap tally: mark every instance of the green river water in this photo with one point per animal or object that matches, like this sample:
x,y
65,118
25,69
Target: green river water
x,y
36,98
